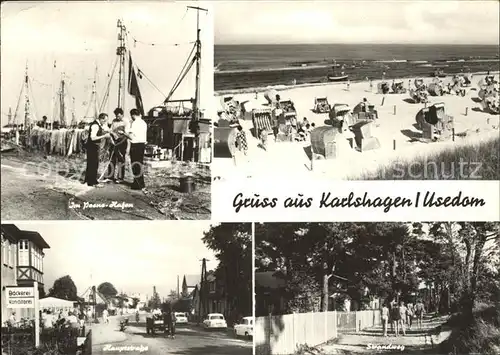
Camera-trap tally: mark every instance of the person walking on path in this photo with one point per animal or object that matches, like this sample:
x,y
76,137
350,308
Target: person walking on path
x,y
409,314
402,313
419,313
395,318
385,318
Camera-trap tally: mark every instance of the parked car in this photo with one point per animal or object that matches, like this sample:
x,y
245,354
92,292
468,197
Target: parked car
x,y
215,321
244,328
181,318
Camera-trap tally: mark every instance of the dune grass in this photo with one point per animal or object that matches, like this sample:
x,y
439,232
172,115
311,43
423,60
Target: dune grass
x,y
479,335
471,162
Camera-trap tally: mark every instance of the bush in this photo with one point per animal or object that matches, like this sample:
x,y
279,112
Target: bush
x,y
446,165
480,335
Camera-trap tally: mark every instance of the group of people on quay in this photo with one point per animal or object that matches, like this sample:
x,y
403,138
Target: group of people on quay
x,y
124,139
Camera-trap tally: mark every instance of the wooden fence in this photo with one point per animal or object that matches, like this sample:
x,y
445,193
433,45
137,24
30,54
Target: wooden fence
x,y
283,335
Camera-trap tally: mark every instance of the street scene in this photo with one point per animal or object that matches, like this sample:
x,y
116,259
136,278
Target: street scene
x,y
96,127
181,288
354,288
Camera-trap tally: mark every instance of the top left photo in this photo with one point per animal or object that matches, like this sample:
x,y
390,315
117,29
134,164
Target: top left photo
x,y
105,110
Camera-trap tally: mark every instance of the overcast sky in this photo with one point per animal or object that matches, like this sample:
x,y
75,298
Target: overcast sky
x,y
79,35
420,21
133,256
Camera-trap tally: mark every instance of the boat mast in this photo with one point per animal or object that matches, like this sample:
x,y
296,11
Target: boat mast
x,y
9,116
73,114
27,100
62,119
120,51
94,94
196,105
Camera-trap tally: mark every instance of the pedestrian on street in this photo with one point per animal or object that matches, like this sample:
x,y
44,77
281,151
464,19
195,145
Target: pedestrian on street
x,y
105,318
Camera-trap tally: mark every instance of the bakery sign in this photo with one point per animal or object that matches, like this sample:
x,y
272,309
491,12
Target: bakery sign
x,y
20,297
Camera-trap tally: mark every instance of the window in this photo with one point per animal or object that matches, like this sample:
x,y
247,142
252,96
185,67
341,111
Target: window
x,y
23,253
9,261
4,250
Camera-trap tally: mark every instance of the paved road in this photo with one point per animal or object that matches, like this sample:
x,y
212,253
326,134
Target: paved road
x,y
189,340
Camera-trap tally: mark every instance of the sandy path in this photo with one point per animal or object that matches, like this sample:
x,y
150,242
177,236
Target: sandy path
x,y
290,158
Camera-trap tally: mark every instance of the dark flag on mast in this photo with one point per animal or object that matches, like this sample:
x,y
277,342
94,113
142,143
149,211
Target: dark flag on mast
x,y
133,86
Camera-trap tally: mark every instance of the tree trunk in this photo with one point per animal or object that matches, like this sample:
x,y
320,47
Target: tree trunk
x,y
475,270
324,307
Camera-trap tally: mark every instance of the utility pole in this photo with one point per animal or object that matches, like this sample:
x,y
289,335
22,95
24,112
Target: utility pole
x,y
202,301
120,51
178,291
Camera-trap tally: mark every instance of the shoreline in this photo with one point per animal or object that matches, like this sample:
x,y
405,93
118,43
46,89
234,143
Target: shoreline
x,y
433,64
283,87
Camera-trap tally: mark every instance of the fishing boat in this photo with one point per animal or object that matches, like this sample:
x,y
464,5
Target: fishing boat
x,y
334,77
439,73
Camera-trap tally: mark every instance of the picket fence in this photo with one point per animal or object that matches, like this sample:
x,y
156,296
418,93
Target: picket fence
x,y
283,335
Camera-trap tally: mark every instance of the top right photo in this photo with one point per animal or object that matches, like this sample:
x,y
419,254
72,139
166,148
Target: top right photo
x,y
405,90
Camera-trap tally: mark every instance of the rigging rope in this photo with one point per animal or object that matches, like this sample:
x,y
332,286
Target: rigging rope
x,y
182,74
106,93
16,112
30,92
141,73
151,44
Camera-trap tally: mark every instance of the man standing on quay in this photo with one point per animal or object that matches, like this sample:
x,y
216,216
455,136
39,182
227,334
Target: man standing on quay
x,y
118,149
137,136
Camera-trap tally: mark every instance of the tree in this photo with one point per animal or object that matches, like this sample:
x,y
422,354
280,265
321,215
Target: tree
x,y
232,244
155,301
173,296
64,288
107,289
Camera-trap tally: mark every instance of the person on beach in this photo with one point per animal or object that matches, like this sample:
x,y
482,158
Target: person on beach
x,y
138,138
240,144
419,312
96,134
264,133
385,318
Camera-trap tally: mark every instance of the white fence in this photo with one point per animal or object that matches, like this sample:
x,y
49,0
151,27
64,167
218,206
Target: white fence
x,y
282,335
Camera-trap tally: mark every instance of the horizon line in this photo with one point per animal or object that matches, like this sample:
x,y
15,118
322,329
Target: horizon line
x,y
357,43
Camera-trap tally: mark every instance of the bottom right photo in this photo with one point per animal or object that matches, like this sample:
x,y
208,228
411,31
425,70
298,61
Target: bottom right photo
x,y
400,288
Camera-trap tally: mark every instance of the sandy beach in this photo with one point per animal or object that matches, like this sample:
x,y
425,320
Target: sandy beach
x,y
394,129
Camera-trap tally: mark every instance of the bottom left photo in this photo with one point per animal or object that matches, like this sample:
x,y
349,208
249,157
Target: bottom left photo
x,y
180,287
